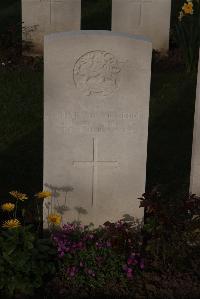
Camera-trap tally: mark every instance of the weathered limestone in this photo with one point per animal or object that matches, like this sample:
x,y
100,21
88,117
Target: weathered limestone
x,y
97,89
41,17
195,165
150,18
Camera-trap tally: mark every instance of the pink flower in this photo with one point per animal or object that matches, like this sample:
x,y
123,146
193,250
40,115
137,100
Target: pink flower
x,y
80,245
142,264
129,261
108,243
135,262
90,272
72,271
129,273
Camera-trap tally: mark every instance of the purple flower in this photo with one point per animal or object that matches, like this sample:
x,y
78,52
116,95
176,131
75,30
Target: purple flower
x,y
129,261
132,260
91,272
125,267
129,273
61,254
80,245
142,264
71,271
108,243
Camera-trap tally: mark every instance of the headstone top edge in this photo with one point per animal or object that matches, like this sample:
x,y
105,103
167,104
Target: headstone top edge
x,y
57,35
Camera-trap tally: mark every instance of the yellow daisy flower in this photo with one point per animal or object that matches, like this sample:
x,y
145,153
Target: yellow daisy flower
x,y
12,223
54,219
8,207
188,8
18,195
43,194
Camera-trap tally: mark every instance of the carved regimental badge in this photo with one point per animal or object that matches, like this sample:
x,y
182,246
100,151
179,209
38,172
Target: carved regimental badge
x,y
97,72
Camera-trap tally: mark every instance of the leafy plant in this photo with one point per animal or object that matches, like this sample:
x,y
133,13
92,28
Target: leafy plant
x,y
126,258
91,261
10,42
171,225
25,261
188,33
19,206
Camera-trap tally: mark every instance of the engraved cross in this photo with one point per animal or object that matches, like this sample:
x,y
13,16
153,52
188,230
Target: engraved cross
x,y
142,3
50,8
94,164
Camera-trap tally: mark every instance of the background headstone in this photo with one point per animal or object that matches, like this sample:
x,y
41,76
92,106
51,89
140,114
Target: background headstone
x,y
195,165
41,17
97,88
150,18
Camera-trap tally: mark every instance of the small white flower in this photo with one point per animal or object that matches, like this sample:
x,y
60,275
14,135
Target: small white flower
x,y
180,16
3,64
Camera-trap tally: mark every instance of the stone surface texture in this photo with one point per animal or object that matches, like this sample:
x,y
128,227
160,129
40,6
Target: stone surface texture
x,y
195,165
42,17
150,18
97,89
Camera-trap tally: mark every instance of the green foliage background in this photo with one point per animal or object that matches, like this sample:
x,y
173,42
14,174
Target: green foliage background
x,y
10,14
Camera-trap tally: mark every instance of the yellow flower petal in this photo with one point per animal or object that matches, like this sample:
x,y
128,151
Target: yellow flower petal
x,y
8,207
43,194
12,223
18,195
54,219
188,8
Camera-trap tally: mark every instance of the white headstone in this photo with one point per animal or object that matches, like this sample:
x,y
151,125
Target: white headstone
x,y
195,165
97,89
150,18
41,17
